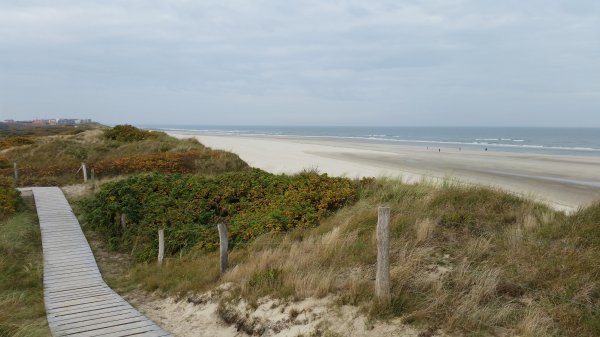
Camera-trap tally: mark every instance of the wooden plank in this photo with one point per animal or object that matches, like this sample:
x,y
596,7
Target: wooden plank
x,y
74,296
97,316
120,330
124,323
78,301
79,317
89,309
58,291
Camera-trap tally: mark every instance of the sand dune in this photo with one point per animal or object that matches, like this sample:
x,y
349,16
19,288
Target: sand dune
x,y
564,182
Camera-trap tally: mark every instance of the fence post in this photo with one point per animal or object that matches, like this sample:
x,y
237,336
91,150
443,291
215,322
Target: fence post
x,y
16,174
93,172
224,245
161,246
124,223
84,172
382,280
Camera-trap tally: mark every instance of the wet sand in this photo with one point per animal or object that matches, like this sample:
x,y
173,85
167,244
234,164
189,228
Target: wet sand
x,y
564,182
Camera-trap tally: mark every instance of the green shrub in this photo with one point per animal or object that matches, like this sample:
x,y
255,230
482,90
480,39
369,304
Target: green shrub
x,y
189,207
128,133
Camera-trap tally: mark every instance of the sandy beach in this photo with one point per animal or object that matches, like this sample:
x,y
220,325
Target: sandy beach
x,y
564,182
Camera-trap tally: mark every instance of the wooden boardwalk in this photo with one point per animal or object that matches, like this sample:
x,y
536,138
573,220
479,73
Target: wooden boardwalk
x,y
78,302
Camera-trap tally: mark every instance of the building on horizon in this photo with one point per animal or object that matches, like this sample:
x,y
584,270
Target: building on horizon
x,y
51,121
73,121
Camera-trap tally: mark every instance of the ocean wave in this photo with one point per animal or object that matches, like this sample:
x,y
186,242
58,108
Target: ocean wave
x,y
500,139
479,142
482,144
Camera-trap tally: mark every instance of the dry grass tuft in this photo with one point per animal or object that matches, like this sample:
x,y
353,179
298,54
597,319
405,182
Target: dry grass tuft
x,y
424,229
514,236
535,323
477,248
530,222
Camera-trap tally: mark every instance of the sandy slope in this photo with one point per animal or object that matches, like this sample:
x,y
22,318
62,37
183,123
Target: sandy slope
x,y
565,182
272,318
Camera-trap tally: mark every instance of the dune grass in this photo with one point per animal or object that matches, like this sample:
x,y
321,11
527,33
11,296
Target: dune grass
x,y
470,261
22,311
55,160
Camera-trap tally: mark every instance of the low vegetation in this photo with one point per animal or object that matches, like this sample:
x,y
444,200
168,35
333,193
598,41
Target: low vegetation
x,y
188,207
55,160
467,261
22,310
9,142
28,130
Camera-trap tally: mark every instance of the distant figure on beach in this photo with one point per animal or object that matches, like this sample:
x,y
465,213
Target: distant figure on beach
x,y
439,150
486,148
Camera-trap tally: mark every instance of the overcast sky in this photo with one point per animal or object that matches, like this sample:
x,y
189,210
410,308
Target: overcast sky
x,y
309,62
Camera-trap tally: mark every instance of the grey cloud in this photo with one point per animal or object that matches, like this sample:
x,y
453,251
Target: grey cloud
x,y
306,61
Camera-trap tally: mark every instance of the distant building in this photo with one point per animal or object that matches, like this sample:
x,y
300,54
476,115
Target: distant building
x,y
52,121
73,121
66,121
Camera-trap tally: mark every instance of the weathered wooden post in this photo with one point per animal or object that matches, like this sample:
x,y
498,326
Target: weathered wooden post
x,y
84,172
224,246
161,246
382,280
16,174
124,222
93,178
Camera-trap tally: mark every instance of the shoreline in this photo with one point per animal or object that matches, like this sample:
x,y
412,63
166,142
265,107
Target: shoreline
x,y
520,142
561,181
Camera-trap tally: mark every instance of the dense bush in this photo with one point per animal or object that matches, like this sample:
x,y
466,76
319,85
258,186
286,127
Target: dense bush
x,y
189,207
9,197
128,133
7,142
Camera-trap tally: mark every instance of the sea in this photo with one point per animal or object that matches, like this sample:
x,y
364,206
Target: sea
x,y
560,141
